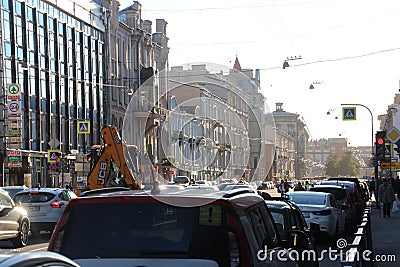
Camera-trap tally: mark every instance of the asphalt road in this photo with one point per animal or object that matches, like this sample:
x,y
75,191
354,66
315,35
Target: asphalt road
x,y
38,243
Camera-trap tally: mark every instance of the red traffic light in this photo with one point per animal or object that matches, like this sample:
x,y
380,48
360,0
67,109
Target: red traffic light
x,y
58,159
380,141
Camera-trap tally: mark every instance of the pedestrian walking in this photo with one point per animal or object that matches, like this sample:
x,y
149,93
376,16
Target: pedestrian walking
x,y
372,188
307,185
386,196
286,186
281,187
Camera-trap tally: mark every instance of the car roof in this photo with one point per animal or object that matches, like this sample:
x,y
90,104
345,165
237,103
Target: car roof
x,y
327,186
15,187
338,182
45,189
239,199
307,193
280,204
350,179
103,191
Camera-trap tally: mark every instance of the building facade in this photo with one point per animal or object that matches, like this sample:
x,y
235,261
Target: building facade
x,y
77,65
294,127
54,53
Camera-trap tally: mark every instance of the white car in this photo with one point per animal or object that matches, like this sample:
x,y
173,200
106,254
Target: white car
x,y
44,206
321,208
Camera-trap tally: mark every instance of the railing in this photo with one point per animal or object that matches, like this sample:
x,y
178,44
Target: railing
x,y
361,249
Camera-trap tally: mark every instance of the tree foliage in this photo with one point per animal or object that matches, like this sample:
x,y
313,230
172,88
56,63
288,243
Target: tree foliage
x,y
343,165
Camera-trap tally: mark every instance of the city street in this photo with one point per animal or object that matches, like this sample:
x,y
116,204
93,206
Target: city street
x,y
385,233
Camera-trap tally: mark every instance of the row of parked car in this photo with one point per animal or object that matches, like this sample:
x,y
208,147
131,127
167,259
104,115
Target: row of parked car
x,y
336,204
25,211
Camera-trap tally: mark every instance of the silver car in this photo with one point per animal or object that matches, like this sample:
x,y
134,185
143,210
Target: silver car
x,y
343,198
321,208
44,206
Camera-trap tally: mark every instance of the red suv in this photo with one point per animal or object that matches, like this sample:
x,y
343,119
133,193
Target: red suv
x,y
133,228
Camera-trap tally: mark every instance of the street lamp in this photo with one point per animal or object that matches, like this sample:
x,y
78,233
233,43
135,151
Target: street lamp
x,y
372,147
286,63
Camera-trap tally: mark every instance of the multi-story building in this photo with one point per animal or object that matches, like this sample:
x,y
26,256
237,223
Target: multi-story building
x,y
55,54
220,106
137,57
77,65
293,126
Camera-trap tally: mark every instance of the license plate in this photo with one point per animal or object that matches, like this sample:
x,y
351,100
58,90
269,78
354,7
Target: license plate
x,y
32,209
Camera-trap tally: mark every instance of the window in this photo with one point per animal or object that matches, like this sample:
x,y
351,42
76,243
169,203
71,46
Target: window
x,y
262,226
280,223
5,200
29,13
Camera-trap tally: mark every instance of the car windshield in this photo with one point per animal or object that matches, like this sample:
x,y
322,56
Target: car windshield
x,y
339,194
33,197
308,199
144,230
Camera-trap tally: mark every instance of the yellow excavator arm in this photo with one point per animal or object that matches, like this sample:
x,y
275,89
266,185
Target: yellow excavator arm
x,y
111,163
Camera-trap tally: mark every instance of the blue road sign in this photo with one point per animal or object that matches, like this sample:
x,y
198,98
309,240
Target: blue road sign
x,y
83,127
52,155
349,113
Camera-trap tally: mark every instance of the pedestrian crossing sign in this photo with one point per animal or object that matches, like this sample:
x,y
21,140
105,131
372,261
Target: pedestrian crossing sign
x,y
349,113
52,155
83,127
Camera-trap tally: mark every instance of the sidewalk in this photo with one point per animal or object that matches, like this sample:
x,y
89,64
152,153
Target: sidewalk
x,y
385,237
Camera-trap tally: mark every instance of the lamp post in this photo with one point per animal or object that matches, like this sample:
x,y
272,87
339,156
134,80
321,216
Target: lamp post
x,y
372,124
372,152
286,62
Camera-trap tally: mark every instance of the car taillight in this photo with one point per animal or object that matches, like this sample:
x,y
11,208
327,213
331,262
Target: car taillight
x,y
55,204
322,212
33,193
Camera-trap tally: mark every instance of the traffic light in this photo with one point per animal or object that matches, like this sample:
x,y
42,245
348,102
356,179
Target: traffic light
x,y
65,166
380,146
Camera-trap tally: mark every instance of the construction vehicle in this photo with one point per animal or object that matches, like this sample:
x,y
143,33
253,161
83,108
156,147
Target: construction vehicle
x,y
110,167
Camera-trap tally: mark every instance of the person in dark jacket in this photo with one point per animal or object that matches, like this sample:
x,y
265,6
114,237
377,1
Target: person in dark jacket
x,y
386,196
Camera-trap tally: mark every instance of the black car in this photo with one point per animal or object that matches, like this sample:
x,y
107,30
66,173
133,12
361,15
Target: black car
x,y
288,218
15,224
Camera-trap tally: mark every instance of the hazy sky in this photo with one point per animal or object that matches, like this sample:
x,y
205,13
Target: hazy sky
x,y
350,49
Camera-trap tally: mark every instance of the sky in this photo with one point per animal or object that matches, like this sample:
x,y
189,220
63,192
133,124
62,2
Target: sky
x,y
348,50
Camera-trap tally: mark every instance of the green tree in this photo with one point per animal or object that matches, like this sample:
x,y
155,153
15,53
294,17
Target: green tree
x,y
345,165
332,165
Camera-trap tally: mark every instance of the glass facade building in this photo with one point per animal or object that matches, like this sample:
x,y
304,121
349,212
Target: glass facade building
x,y
54,50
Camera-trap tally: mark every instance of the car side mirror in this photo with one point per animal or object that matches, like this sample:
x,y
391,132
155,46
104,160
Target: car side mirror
x,y
297,239
17,203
